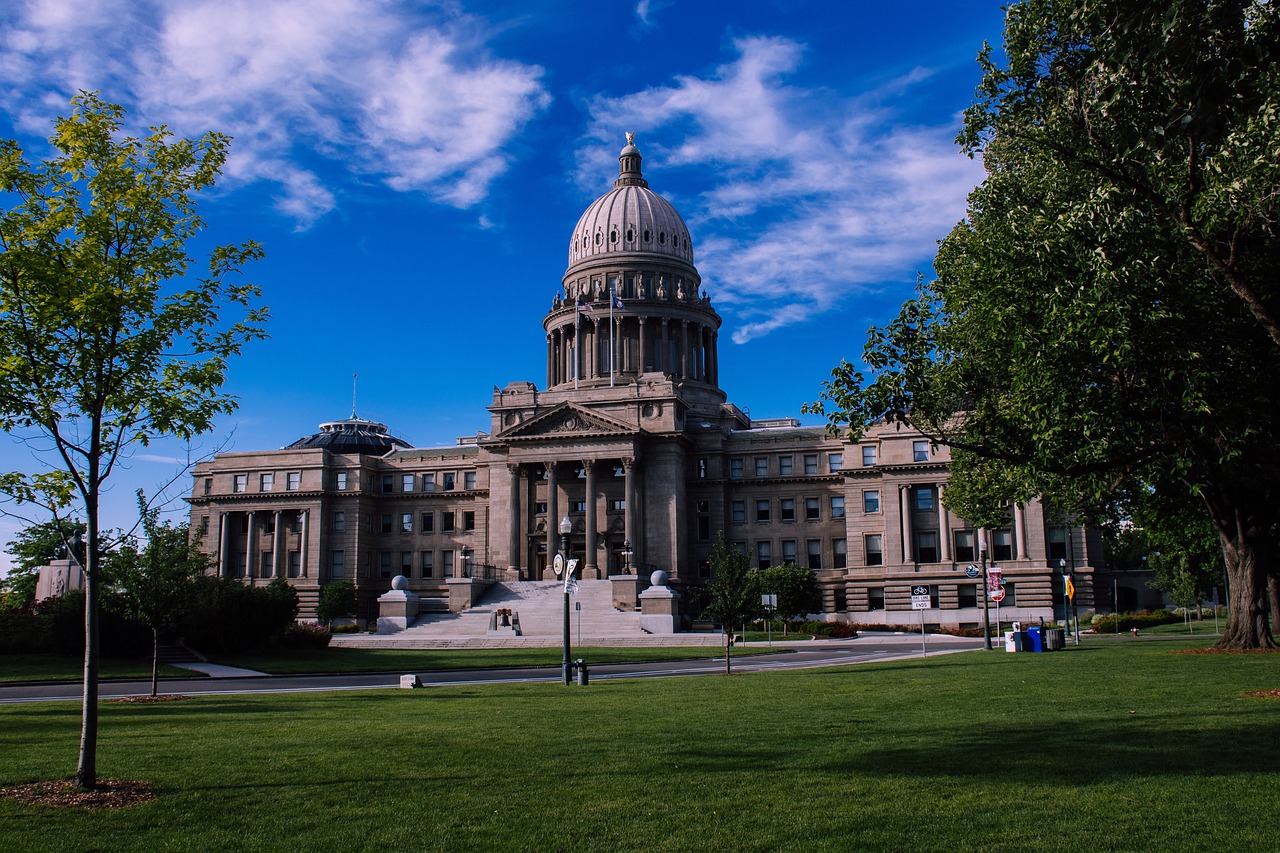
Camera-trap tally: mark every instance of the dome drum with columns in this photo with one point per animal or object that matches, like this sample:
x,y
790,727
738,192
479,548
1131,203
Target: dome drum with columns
x,y
633,441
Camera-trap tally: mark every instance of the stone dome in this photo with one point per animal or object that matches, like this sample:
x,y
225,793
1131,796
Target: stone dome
x,y
353,435
630,218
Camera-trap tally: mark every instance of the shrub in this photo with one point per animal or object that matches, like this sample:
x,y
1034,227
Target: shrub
x,y
1141,619
226,616
304,635
349,628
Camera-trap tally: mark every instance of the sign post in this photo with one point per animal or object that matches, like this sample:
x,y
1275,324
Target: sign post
x,y
769,601
920,601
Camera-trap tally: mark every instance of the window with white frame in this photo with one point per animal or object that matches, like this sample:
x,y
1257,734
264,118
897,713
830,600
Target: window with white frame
x,y
919,451
868,455
406,522
293,481
240,483
871,500
874,543
407,482
837,506
266,482
924,498
340,481
835,461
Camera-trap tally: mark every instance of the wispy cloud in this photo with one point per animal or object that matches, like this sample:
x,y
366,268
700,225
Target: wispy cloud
x,y
409,97
812,198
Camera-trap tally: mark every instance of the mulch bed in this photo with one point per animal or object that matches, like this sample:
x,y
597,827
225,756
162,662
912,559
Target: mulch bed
x,y
1265,694
109,794
133,700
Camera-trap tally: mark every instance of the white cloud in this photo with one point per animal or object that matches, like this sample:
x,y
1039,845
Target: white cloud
x,y
814,198
408,96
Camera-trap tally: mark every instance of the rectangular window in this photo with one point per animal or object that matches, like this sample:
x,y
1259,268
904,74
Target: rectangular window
x,y
429,482
875,549
762,510
339,522
1002,545
295,563
875,598
735,468
967,594
266,563
919,451
578,506
428,565
738,511
839,553
295,525
837,507
740,547
469,520
868,455
927,546
966,542
540,508
406,482
835,461
387,483
785,466
203,529
385,522
384,564
406,563
266,482
240,483
469,480
788,550
406,522
762,466
340,481
701,468
450,481
446,563
924,499
337,564
813,548
208,485
703,531
871,500
811,509
764,554
293,481
811,463
617,505
1056,544
1010,595
446,523
787,509
428,522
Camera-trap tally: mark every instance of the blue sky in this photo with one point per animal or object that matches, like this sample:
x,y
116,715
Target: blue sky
x,y
414,171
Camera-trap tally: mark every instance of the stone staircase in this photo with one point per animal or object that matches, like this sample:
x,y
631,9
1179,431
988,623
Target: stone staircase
x,y
540,608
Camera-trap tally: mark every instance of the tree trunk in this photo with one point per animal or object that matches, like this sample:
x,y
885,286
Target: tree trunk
x,y
1273,586
1245,549
87,767
155,661
728,647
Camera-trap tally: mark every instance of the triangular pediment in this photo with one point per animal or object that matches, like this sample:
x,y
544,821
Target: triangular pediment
x,y
568,421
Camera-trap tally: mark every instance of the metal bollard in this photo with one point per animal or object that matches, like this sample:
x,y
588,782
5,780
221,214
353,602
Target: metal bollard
x,y
581,667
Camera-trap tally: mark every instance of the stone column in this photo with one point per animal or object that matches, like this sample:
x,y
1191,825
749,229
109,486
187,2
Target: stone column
x,y
644,348
250,567
514,513
553,518
904,500
664,356
684,349
277,540
223,569
714,371
1019,526
629,516
944,529
591,567
305,543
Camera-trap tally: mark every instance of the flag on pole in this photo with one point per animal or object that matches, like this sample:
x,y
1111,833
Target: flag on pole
x,y
617,303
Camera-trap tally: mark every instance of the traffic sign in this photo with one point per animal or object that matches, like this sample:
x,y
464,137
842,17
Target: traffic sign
x,y
920,599
997,595
972,571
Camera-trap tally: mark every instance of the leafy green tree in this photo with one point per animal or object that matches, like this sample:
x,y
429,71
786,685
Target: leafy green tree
x,y
337,599
108,338
155,579
796,588
731,594
33,547
1101,330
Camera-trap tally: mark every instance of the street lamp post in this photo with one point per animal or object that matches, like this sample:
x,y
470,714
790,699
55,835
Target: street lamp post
x,y
986,594
566,527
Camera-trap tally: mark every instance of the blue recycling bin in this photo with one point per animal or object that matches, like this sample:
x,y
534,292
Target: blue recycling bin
x,y
1034,642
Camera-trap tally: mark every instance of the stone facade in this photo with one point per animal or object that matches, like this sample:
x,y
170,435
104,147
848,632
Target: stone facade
x,y
635,443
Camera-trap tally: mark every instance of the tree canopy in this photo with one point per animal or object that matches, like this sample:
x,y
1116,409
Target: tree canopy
x,y
32,547
109,338
731,592
1102,327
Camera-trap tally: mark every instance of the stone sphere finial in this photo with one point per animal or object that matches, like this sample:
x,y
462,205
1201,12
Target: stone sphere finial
x,y
400,582
659,578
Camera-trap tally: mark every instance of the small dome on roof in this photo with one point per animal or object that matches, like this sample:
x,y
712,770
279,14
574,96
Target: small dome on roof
x,y
353,435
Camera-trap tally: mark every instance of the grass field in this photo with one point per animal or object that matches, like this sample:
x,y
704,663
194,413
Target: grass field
x,y
1109,746
49,667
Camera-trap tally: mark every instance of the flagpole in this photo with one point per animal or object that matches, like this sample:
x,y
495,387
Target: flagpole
x,y
613,338
577,319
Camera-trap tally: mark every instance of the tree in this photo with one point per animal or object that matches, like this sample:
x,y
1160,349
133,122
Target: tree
x,y
1101,329
796,588
337,599
731,593
33,547
109,338
156,579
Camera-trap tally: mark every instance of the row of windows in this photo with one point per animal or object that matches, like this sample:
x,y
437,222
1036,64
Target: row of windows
x,y
423,564
430,481
787,553
265,566
266,482
787,508
923,499
966,596
786,465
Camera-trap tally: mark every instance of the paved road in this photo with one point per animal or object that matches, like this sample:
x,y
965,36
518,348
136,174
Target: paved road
x,y
863,649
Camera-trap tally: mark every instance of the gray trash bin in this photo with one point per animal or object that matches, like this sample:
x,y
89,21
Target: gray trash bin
x,y
581,667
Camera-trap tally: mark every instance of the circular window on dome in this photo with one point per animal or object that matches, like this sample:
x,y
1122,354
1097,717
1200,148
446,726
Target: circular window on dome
x,y
662,237
613,236
646,235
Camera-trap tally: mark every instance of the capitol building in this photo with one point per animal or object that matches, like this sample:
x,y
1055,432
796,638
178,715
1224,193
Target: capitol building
x,y
632,440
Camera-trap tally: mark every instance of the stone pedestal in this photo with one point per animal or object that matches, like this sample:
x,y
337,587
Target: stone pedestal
x,y
398,608
626,589
58,578
659,606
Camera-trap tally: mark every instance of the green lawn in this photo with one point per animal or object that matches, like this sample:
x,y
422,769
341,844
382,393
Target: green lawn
x,y
1104,747
50,667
